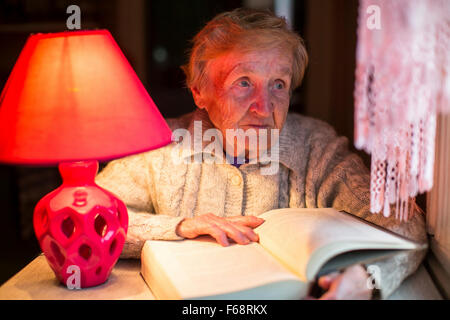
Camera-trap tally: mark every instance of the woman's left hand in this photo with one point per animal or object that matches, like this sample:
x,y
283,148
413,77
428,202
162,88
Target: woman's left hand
x,y
348,285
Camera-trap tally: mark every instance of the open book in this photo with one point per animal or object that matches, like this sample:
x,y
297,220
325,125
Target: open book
x,y
296,246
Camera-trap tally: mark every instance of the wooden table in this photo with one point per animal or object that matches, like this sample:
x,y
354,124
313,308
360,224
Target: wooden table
x,y
37,281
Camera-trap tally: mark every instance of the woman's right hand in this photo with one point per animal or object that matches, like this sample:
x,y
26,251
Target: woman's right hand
x,y
237,228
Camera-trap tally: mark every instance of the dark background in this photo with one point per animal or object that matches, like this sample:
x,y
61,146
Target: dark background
x,y
154,35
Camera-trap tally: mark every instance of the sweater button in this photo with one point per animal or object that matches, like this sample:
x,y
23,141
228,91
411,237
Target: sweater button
x,y
236,180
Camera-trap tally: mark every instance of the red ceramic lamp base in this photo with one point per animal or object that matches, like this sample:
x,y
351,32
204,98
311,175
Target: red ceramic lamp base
x,y
81,227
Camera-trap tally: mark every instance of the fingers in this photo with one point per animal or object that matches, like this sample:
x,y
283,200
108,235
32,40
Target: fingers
x,y
330,283
239,228
248,232
329,295
219,235
248,221
326,281
351,284
232,230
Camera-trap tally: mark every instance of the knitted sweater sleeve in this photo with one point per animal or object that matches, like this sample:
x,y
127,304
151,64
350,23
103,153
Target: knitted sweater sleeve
x,y
338,178
128,179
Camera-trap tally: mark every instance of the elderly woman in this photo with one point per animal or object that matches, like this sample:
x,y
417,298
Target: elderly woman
x,y
242,70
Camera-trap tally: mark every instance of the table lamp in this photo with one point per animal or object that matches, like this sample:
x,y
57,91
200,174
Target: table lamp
x,y
72,99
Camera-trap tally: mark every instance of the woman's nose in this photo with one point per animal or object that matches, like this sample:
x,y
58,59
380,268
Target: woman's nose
x,y
262,104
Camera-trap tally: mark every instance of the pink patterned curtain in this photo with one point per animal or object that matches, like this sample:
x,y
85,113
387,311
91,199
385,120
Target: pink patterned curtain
x,y
402,81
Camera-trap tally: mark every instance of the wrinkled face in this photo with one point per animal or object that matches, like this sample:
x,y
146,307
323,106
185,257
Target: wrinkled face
x,y
248,90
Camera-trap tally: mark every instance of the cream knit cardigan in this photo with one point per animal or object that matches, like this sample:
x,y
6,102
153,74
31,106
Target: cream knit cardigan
x,y
316,170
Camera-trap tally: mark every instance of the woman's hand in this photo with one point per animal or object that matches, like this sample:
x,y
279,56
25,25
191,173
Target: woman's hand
x,y
349,285
237,228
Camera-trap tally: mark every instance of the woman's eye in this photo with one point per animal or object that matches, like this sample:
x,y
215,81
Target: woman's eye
x,y
244,83
279,85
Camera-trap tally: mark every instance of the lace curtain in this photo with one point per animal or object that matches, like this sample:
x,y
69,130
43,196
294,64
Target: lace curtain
x,y
402,81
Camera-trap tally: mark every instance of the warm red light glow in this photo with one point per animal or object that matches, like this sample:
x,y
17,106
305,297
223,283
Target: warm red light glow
x,y
74,96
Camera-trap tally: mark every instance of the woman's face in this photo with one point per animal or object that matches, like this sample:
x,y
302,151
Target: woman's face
x,y
248,90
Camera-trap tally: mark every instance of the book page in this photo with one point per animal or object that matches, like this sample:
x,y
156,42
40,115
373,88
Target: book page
x,y
294,236
200,268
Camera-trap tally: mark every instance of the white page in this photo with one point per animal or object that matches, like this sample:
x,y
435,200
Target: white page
x,y
292,235
203,267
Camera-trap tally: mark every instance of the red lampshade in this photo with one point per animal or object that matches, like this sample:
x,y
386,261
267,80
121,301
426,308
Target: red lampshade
x,y
73,96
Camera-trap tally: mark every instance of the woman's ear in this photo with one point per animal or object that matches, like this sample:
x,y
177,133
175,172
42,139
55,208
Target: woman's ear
x,y
199,98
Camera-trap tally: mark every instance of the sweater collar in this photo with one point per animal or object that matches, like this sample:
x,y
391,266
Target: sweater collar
x,y
199,119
